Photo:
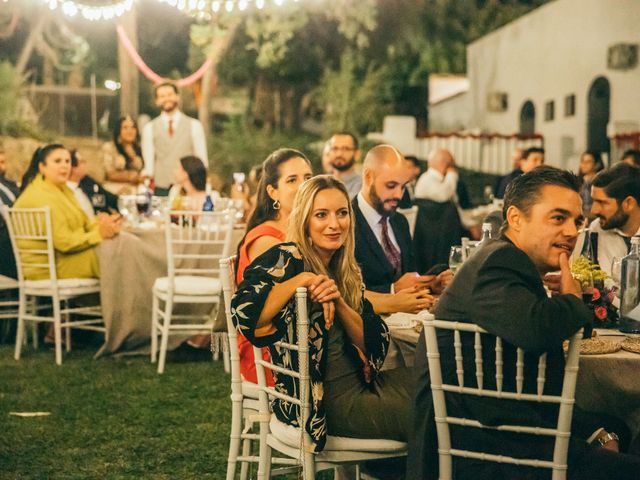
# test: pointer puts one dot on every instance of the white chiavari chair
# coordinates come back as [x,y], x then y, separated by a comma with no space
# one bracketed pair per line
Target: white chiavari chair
[31,239]
[294,442]
[196,241]
[562,432]
[244,395]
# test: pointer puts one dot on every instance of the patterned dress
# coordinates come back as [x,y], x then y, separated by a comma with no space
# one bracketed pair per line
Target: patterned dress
[281,263]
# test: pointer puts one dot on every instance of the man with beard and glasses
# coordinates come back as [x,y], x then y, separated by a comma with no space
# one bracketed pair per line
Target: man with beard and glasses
[383,242]
[616,205]
[343,154]
[501,289]
[169,137]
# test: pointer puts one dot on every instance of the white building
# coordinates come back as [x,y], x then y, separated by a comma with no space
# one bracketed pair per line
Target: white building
[567,70]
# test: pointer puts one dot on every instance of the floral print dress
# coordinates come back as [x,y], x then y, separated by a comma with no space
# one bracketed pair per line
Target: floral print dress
[281,263]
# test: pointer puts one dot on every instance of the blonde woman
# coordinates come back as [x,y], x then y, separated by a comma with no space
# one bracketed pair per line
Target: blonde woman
[347,340]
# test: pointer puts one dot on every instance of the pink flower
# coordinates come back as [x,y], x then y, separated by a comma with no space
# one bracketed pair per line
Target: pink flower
[595,294]
[601,312]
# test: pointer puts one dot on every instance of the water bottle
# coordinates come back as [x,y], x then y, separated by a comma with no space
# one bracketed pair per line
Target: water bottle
[486,235]
[208,201]
[629,294]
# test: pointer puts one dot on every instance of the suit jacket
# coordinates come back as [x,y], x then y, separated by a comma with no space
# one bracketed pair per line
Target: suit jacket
[500,290]
[87,186]
[505,181]
[377,272]
[438,227]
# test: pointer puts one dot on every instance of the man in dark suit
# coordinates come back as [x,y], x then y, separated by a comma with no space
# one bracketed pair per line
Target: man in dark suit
[91,196]
[383,240]
[501,289]
[531,158]
[9,191]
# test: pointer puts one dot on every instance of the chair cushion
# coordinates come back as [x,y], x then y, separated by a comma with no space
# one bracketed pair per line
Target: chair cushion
[189,285]
[291,436]
[7,283]
[65,283]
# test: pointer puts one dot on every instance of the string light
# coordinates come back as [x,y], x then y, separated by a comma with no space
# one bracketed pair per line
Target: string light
[117,8]
[91,12]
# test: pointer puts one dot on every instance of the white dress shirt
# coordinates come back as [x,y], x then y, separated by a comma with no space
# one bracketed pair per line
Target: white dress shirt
[7,192]
[197,137]
[432,185]
[373,219]
[610,245]
[83,200]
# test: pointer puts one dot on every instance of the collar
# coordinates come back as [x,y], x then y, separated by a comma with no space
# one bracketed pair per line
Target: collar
[72,185]
[370,214]
[432,172]
[175,117]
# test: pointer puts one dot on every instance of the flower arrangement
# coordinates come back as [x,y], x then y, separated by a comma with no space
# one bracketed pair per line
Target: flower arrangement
[599,291]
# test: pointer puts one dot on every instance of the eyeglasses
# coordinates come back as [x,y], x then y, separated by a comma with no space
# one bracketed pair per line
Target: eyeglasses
[342,149]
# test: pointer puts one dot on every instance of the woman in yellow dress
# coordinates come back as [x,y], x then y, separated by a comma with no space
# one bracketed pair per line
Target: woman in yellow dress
[74,235]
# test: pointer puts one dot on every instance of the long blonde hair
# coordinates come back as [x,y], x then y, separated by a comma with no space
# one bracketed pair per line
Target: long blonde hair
[343,267]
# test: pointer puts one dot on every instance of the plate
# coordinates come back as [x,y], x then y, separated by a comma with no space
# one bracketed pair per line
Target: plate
[631,345]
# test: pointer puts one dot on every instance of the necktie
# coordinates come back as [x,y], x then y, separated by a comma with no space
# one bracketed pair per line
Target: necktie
[170,128]
[627,242]
[390,250]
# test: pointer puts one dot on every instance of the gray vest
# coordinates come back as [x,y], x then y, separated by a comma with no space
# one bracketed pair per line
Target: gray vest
[170,149]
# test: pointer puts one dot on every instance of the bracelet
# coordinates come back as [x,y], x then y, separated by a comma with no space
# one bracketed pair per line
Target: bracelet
[606,438]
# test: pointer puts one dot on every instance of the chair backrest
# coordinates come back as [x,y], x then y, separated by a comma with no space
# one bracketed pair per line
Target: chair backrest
[228,280]
[443,420]
[411,215]
[196,241]
[30,233]
[301,374]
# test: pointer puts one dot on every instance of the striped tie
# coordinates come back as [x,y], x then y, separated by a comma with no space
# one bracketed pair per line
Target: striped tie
[390,250]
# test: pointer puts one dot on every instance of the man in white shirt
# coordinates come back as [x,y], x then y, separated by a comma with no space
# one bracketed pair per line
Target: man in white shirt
[343,155]
[169,137]
[440,181]
[616,204]
[78,172]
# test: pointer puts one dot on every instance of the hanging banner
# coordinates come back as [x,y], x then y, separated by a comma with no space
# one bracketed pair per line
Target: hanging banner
[150,74]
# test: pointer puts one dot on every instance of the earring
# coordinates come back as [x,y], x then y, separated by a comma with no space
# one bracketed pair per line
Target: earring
[276,204]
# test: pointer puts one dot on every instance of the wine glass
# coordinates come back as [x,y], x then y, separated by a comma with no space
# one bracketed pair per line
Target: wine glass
[616,270]
[456,257]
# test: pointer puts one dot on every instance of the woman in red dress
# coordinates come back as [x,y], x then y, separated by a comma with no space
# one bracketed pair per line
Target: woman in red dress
[283,172]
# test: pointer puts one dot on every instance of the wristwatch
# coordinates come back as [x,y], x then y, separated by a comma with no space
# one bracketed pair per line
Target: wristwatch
[606,438]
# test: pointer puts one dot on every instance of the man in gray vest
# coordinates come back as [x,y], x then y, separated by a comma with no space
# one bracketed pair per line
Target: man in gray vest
[169,137]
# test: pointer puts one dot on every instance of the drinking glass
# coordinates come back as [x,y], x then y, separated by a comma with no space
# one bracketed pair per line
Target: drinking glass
[616,270]
[456,257]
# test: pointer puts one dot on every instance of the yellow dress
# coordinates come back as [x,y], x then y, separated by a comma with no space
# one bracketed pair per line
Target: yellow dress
[74,235]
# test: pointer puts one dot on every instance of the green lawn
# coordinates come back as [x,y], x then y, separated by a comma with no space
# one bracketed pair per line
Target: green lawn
[111,418]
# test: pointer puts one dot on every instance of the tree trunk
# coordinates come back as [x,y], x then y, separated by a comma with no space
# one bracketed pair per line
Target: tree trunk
[30,43]
[129,76]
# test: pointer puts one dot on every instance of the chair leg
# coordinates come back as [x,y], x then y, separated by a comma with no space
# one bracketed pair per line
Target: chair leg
[234,437]
[67,330]
[264,462]
[31,307]
[308,466]
[246,451]
[166,324]
[57,329]
[22,310]
[154,328]
[226,356]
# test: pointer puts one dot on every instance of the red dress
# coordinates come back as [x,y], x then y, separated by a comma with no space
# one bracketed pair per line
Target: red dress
[247,366]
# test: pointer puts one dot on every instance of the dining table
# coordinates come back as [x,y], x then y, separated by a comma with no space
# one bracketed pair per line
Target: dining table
[607,383]
[129,266]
